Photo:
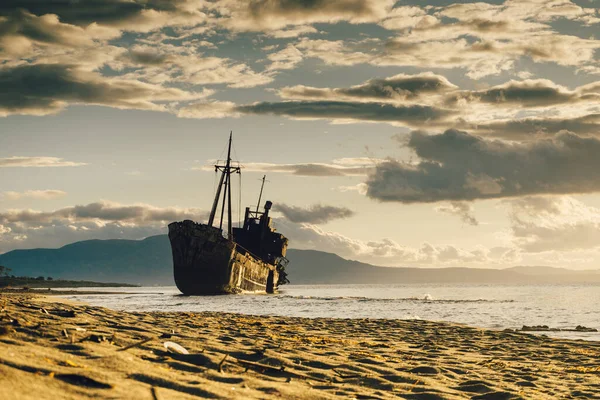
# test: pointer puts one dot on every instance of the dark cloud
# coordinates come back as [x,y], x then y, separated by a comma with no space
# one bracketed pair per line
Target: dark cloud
[85,12]
[100,220]
[46,88]
[376,112]
[103,211]
[397,87]
[293,7]
[276,14]
[458,166]
[438,98]
[528,128]
[315,214]
[461,209]
[150,57]
[528,93]
[254,15]
[46,30]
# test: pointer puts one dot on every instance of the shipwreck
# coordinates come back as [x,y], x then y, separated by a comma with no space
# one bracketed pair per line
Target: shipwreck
[208,260]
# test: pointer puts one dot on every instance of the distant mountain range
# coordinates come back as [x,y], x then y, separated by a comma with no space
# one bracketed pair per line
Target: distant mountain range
[148,262]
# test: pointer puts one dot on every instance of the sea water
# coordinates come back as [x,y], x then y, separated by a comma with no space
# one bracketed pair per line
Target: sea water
[485,306]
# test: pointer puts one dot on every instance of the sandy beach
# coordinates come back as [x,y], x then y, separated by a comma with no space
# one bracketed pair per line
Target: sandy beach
[52,349]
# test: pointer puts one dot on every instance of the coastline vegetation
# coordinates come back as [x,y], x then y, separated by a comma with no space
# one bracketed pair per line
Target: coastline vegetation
[26,282]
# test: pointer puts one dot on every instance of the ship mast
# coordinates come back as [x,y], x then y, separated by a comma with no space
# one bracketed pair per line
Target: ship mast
[225,184]
[261,190]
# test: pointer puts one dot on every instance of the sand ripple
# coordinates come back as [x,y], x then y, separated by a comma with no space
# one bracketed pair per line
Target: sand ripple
[50,350]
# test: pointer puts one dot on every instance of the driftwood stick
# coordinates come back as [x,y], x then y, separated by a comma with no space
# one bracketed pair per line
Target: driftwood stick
[221,363]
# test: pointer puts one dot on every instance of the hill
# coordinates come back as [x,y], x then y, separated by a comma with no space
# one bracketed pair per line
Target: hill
[317,267]
[148,262]
[40,282]
[144,262]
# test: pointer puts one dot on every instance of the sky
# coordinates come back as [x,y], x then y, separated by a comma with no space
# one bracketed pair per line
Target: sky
[399,133]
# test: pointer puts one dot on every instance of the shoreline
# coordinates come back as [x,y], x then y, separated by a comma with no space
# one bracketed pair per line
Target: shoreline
[58,292]
[57,349]
[574,332]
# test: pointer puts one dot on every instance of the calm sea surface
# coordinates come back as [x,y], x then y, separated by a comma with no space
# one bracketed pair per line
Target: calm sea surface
[486,306]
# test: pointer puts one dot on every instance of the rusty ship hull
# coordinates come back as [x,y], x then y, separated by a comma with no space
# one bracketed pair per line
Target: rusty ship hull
[206,263]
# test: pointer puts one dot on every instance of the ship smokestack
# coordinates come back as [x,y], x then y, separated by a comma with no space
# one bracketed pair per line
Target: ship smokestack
[266,220]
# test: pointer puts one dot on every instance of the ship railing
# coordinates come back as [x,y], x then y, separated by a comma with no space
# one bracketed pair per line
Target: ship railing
[255,214]
[247,251]
[277,261]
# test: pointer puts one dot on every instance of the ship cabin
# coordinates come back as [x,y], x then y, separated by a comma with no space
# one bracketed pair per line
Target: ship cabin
[259,238]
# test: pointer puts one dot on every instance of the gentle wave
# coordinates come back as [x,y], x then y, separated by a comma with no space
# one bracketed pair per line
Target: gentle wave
[486,306]
[425,299]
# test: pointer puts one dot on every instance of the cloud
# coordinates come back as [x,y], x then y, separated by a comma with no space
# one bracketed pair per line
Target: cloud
[162,63]
[308,169]
[518,102]
[360,188]
[396,88]
[315,214]
[102,211]
[487,57]
[45,89]
[42,162]
[461,209]
[338,52]
[266,15]
[54,236]
[457,166]
[357,166]
[106,220]
[209,109]
[80,54]
[484,39]
[389,252]
[528,128]
[34,194]
[146,55]
[367,102]
[24,228]
[134,15]
[527,93]
[515,109]
[20,31]
[286,58]
[553,224]
[413,115]
[292,32]
[404,17]
[535,10]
